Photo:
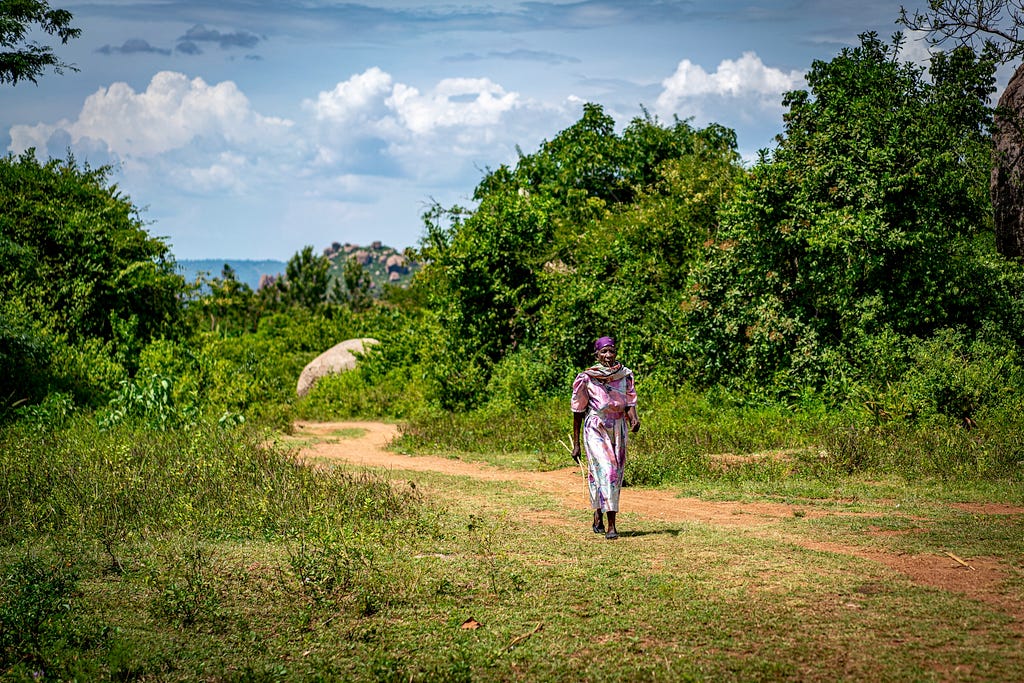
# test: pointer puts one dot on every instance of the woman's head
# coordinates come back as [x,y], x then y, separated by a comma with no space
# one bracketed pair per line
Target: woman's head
[605,350]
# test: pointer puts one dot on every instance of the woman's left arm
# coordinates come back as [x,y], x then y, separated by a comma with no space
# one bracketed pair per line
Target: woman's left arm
[631,415]
[633,419]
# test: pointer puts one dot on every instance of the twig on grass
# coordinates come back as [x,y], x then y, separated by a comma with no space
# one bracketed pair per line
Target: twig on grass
[961,562]
[519,639]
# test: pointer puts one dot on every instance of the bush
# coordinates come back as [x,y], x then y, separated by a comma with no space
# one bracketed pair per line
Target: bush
[113,488]
[40,618]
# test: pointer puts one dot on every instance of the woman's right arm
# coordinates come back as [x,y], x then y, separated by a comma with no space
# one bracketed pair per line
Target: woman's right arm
[577,420]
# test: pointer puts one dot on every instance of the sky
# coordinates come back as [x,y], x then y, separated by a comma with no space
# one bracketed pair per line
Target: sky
[249,130]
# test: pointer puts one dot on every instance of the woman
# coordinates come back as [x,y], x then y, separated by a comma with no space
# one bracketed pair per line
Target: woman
[604,403]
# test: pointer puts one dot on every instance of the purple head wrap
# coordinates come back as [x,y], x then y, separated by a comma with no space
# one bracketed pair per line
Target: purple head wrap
[603,342]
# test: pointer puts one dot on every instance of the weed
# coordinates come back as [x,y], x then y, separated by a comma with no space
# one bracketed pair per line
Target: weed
[41,616]
[186,590]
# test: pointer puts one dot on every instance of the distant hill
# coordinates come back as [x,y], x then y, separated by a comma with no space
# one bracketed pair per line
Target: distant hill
[384,264]
[246,271]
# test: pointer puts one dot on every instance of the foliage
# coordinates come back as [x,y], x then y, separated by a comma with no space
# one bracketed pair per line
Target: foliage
[149,401]
[995,23]
[305,280]
[357,286]
[28,61]
[226,305]
[120,487]
[77,269]
[40,615]
[870,218]
[594,232]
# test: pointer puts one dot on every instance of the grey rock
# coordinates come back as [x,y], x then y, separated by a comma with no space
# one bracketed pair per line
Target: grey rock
[338,358]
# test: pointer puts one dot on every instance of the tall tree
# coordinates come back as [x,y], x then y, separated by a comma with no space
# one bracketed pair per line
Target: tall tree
[27,60]
[861,223]
[306,279]
[78,270]
[973,24]
[994,28]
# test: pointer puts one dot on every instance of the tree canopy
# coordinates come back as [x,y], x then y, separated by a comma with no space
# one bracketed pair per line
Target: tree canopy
[993,25]
[871,217]
[28,60]
[77,266]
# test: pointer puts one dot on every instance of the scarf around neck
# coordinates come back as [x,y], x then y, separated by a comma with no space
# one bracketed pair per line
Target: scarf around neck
[603,374]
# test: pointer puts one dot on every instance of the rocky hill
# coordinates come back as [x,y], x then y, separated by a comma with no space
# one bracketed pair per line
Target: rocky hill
[385,266]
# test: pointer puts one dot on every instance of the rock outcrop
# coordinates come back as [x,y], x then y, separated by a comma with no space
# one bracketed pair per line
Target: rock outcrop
[1007,182]
[338,358]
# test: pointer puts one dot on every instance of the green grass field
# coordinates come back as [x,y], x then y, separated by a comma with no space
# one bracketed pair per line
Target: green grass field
[436,576]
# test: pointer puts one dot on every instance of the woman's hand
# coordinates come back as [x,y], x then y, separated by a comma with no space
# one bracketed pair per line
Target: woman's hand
[576,453]
[633,419]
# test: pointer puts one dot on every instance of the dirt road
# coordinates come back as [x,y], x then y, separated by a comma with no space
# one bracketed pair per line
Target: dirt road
[363,444]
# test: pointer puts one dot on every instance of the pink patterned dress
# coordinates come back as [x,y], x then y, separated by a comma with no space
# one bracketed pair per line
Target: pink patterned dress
[605,395]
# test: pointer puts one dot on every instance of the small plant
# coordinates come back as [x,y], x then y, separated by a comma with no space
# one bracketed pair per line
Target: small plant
[482,536]
[319,566]
[39,602]
[150,402]
[187,592]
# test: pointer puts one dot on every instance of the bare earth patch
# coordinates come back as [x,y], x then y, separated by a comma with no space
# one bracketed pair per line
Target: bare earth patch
[363,444]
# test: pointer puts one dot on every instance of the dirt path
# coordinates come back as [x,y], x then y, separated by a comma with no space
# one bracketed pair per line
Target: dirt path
[363,444]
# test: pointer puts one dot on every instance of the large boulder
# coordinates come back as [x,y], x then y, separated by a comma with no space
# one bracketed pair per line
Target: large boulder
[338,358]
[1007,185]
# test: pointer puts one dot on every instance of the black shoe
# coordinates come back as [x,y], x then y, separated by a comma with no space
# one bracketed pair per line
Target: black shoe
[611,535]
[599,528]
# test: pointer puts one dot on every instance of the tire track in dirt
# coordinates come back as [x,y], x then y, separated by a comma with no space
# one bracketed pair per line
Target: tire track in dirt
[983,579]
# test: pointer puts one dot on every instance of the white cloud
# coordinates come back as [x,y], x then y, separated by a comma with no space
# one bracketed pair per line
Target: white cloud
[476,102]
[916,49]
[172,113]
[372,124]
[226,174]
[746,77]
[357,97]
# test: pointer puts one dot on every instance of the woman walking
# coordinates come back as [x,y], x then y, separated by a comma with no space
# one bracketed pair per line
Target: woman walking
[604,405]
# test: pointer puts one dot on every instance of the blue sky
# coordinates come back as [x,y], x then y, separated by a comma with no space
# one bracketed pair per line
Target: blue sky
[247,129]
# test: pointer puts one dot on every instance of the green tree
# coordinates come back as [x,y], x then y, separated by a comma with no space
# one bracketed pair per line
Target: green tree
[78,270]
[357,286]
[871,216]
[593,232]
[626,273]
[976,24]
[75,252]
[226,304]
[306,280]
[20,60]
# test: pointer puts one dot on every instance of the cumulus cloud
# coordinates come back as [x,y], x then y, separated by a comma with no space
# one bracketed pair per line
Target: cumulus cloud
[181,130]
[371,123]
[476,102]
[204,139]
[173,112]
[746,77]
[360,97]
[132,46]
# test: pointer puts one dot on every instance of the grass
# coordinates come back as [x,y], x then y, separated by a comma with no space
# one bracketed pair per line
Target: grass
[691,602]
[259,570]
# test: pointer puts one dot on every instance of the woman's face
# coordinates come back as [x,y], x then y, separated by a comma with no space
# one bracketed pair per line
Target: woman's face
[606,356]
